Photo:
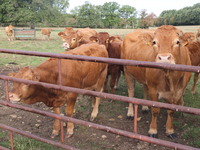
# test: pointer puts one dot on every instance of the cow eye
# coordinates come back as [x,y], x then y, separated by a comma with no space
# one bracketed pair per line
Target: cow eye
[177,42]
[73,39]
[154,42]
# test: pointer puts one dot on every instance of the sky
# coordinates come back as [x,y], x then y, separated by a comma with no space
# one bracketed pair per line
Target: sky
[155,6]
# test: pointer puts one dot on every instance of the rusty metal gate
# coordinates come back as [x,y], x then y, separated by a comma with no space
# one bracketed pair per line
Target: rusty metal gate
[135,101]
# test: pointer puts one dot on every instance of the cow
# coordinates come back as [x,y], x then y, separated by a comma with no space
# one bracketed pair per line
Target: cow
[193,46]
[198,34]
[164,46]
[46,32]
[114,71]
[9,32]
[76,38]
[78,74]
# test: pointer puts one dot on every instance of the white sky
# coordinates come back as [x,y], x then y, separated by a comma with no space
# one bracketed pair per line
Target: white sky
[155,6]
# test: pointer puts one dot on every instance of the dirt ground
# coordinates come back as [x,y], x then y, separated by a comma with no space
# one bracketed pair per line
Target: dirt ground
[111,114]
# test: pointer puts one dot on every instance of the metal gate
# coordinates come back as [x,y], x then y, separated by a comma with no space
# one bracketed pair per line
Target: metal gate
[135,101]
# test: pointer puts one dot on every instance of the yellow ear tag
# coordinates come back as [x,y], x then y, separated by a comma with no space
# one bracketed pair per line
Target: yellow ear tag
[149,43]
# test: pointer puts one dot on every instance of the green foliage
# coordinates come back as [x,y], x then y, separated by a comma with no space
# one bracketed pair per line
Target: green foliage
[185,16]
[29,12]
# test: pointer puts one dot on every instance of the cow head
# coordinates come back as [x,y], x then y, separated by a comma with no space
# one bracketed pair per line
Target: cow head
[166,44]
[20,91]
[71,40]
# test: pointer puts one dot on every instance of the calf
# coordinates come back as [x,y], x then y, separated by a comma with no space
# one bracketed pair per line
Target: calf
[76,38]
[9,32]
[114,51]
[46,32]
[164,46]
[78,74]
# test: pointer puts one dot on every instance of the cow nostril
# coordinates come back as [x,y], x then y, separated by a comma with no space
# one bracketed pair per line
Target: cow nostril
[159,58]
[169,57]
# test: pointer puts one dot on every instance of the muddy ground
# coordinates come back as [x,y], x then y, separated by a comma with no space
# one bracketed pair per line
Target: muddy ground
[111,114]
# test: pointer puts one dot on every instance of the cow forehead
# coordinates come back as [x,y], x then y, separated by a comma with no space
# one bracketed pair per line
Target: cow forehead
[166,35]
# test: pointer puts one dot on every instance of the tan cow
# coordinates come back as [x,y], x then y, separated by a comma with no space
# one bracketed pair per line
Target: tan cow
[76,38]
[164,46]
[194,49]
[46,32]
[78,74]
[9,32]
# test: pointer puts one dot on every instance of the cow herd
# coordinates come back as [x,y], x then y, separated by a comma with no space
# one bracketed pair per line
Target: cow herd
[166,44]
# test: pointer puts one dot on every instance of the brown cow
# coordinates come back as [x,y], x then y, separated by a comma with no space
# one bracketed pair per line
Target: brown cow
[198,34]
[164,46]
[114,51]
[46,32]
[76,38]
[194,49]
[78,74]
[9,32]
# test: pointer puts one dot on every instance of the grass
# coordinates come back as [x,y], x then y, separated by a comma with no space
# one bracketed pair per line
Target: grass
[54,45]
[23,143]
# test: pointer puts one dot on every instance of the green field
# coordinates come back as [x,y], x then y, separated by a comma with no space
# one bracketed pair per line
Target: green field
[191,131]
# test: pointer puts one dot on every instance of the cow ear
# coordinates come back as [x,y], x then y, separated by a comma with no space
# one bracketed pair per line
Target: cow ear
[94,39]
[12,74]
[147,38]
[111,39]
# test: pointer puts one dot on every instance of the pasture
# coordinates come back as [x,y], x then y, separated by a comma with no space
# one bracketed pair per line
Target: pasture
[112,114]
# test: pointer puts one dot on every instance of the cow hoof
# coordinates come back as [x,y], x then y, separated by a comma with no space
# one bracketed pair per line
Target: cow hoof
[129,117]
[171,136]
[53,135]
[68,135]
[145,111]
[153,135]
[92,118]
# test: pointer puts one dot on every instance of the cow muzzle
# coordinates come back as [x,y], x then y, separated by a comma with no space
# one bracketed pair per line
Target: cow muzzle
[165,58]
[14,98]
[66,46]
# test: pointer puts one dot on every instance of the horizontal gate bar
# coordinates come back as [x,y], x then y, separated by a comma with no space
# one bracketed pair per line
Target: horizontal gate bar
[107,60]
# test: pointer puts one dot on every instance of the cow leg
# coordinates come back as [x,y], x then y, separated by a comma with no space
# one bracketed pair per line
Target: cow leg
[117,80]
[145,109]
[169,124]
[95,109]
[105,89]
[155,112]
[131,85]
[56,126]
[99,88]
[48,37]
[196,76]
[112,82]
[69,112]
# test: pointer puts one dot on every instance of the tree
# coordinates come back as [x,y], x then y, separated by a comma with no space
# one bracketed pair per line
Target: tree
[128,16]
[110,14]
[87,15]
[28,12]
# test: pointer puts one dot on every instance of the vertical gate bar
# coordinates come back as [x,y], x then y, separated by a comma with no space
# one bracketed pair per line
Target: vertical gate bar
[62,136]
[6,87]
[11,140]
[135,117]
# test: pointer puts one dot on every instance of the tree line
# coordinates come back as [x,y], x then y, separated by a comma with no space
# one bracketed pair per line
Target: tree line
[53,13]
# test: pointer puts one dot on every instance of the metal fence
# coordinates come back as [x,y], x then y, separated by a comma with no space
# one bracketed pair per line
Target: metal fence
[135,101]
